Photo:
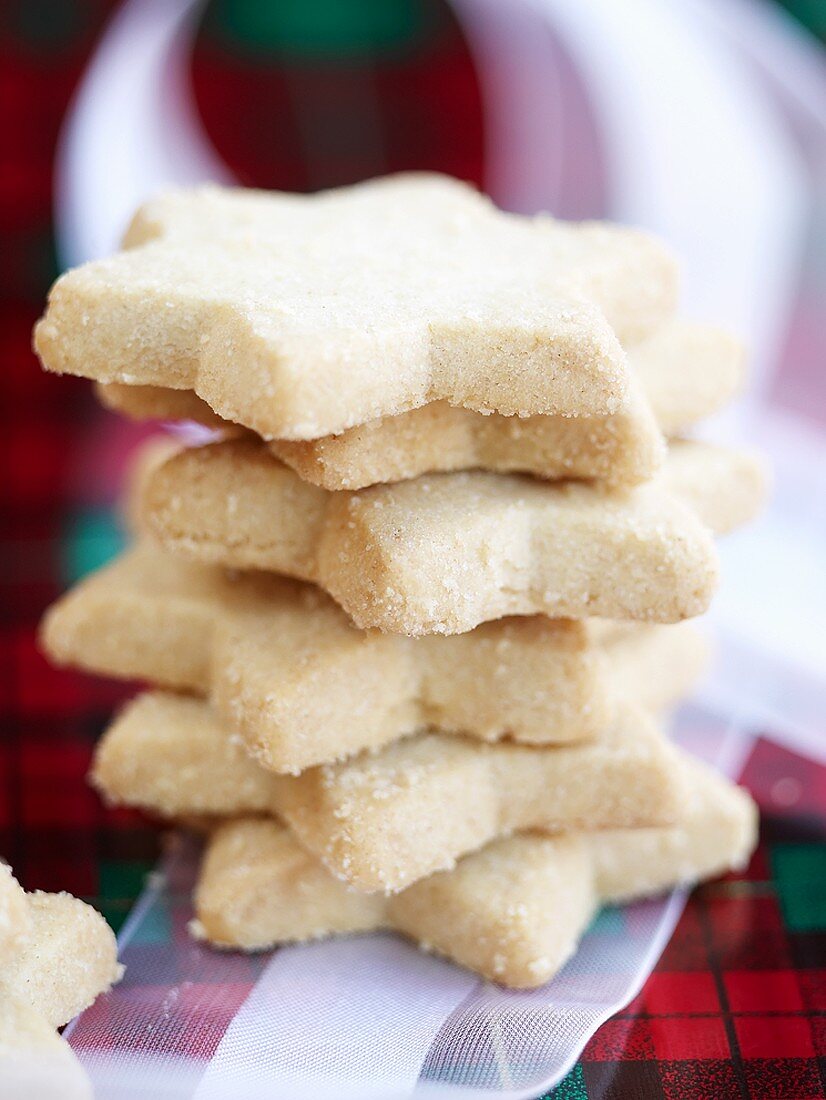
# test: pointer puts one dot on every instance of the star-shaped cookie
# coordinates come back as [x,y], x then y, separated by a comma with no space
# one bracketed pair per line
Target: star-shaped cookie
[258,887]
[382,820]
[302,316]
[444,552]
[681,374]
[300,685]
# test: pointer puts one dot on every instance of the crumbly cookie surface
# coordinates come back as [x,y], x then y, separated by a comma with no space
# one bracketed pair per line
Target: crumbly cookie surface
[284,668]
[302,316]
[445,552]
[57,954]
[383,819]
[176,758]
[687,372]
[258,887]
[716,832]
[68,957]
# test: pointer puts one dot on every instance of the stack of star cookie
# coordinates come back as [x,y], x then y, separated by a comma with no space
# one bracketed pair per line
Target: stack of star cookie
[412,615]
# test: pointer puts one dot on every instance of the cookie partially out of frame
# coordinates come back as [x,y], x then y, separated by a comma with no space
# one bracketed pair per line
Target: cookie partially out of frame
[445,552]
[67,956]
[687,373]
[286,669]
[35,1062]
[57,954]
[301,316]
[14,915]
[383,820]
[512,912]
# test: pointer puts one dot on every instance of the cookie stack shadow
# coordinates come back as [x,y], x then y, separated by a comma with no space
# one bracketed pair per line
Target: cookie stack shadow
[413,616]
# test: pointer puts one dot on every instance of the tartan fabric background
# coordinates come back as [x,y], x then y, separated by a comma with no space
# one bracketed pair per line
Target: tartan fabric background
[342,90]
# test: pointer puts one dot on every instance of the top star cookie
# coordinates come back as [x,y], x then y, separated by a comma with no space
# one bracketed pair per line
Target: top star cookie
[302,316]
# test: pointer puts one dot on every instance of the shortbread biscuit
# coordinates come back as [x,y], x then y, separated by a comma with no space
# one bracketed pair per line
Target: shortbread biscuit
[716,832]
[623,448]
[258,887]
[445,552]
[160,403]
[147,457]
[170,756]
[490,912]
[725,488]
[689,372]
[301,316]
[283,666]
[656,666]
[68,957]
[35,1063]
[384,820]
[14,915]
[56,955]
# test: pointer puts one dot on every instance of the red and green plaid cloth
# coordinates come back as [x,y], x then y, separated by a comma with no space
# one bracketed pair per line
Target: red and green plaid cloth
[343,89]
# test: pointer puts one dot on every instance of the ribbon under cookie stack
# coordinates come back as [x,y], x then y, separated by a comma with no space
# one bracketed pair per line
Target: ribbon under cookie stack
[412,616]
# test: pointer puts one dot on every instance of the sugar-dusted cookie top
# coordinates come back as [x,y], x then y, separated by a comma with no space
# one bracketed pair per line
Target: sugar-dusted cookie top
[301,686]
[385,818]
[66,959]
[302,316]
[511,911]
[444,552]
[681,374]
[258,887]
